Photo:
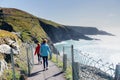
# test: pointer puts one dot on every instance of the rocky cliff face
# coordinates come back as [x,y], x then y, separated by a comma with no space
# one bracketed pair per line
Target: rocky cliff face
[88,30]
[63,32]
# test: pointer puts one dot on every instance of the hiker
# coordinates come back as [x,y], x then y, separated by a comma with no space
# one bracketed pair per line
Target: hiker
[45,51]
[37,51]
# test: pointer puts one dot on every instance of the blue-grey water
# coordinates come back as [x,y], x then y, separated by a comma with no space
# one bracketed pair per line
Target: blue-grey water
[107,48]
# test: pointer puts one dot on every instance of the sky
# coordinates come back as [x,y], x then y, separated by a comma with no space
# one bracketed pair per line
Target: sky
[92,13]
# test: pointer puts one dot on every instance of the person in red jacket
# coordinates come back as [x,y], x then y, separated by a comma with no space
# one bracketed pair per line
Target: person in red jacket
[37,51]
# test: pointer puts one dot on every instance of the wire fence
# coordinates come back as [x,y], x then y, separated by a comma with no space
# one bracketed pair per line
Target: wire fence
[27,56]
[89,68]
[21,63]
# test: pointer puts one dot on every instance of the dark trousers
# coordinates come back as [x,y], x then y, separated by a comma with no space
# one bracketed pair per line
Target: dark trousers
[38,57]
[45,61]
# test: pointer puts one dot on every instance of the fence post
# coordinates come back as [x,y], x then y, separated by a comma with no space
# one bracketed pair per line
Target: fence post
[77,71]
[57,57]
[13,66]
[117,72]
[72,53]
[64,62]
[28,62]
[63,50]
[32,55]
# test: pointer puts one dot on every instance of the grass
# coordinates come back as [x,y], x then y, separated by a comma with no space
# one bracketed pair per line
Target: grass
[8,75]
[59,63]
[22,65]
[68,72]
[4,33]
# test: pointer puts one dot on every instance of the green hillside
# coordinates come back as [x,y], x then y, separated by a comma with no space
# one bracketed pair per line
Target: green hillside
[26,24]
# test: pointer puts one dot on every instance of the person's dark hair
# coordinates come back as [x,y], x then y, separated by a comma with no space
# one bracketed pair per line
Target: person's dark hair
[44,41]
[38,43]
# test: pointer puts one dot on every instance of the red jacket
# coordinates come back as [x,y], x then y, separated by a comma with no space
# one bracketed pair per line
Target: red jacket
[37,49]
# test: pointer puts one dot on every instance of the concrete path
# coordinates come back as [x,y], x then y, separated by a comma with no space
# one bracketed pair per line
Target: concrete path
[53,73]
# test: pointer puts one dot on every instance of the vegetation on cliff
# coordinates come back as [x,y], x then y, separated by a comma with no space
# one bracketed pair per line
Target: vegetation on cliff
[26,25]
[5,37]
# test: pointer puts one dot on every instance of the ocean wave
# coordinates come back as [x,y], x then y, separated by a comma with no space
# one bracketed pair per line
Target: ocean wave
[63,42]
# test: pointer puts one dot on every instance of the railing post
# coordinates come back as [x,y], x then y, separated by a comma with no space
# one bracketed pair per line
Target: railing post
[63,50]
[32,53]
[64,62]
[72,53]
[77,70]
[57,57]
[0,66]
[117,72]
[28,62]
[13,66]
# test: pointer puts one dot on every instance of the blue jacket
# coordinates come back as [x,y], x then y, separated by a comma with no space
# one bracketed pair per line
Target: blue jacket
[45,50]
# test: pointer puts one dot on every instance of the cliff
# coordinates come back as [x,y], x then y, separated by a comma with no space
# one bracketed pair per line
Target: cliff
[63,32]
[88,30]
[32,28]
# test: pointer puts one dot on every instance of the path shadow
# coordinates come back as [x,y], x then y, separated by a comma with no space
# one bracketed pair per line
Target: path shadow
[55,75]
[35,73]
[58,74]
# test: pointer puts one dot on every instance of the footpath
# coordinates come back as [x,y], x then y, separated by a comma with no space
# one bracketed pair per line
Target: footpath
[53,73]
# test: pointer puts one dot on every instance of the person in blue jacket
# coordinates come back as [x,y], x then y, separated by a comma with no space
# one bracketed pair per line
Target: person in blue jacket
[45,51]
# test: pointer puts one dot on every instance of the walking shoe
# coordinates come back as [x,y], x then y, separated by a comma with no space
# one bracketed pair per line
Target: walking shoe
[40,62]
[46,68]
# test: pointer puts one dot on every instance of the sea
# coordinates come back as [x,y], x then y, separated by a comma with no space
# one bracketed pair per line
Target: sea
[107,48]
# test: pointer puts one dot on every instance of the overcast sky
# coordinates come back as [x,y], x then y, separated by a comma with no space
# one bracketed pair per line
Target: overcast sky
[96,13]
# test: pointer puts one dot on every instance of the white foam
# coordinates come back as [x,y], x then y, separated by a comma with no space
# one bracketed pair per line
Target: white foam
[63,42]
[107,48]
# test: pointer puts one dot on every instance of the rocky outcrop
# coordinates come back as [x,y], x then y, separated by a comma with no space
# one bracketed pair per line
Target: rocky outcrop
[3,66]
[11,45]
[6,49]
